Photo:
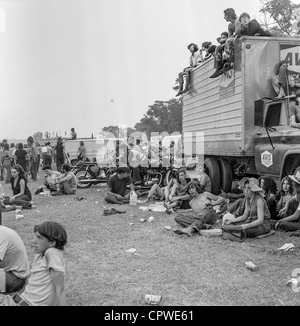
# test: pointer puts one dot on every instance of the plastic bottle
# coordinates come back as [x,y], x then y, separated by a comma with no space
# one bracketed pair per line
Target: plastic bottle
[133,199]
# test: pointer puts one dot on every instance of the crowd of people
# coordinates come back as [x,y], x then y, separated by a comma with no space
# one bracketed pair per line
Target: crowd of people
[223,53]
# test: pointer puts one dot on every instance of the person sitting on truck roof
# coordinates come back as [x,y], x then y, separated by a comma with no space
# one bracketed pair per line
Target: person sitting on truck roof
[256,218]
[203,215]
[292,222]
[295,112]
[209,48]
[251,27]
[73,134]
[195,60]
[234,31]
[219,53]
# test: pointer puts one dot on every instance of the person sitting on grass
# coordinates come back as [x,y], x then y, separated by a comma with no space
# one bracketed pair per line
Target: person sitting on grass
[21,194]
[292,222]
[179,197]
[270,189]
[14,266]
[203,216]
[49,181]
[256,218]
[237,208]
[203,178]
[116,188]
[161,192]
[286,193]
[67,182]
[46,283]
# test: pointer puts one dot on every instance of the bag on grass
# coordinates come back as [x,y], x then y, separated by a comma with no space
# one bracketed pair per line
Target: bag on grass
[233,233]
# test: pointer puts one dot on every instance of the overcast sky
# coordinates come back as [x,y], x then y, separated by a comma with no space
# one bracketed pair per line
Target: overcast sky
[88,64]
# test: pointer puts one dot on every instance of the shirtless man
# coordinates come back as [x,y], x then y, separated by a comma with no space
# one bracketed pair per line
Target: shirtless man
[202,204]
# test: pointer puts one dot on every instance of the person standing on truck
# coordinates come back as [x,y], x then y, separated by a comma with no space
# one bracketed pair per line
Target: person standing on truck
[73,134]
[195,60]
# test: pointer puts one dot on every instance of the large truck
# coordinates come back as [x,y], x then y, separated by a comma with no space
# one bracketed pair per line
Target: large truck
[245,131]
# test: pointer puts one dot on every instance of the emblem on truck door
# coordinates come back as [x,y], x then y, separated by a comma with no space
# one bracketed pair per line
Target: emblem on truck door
[266,159]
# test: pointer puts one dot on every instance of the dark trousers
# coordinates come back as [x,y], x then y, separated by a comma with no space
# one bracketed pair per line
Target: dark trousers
[32,168]
[196,221]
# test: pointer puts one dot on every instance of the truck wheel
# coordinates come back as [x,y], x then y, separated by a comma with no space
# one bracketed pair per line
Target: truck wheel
[226,174]
[83,175]
[212,167]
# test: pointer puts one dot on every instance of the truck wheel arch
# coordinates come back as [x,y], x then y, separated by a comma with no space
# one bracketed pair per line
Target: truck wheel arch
[290,161]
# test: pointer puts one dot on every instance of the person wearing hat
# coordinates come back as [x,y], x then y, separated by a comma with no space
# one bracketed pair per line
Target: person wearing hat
[256,218]
[292,222]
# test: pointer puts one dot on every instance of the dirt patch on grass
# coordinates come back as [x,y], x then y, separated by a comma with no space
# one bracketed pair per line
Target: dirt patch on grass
[184,271]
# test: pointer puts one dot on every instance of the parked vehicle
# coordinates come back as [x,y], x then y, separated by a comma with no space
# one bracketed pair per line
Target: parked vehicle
[246,131]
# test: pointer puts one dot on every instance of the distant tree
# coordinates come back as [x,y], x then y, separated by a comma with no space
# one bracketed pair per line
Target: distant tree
[38,135]
[282,15]
[162,116]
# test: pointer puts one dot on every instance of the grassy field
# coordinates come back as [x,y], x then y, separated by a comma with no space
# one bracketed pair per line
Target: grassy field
[184,271]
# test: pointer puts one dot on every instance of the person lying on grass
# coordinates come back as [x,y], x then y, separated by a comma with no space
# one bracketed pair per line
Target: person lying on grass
[161,192]
[116,188]
[46,283]
[203,213]
[49,180]
[67,182]
[256,217]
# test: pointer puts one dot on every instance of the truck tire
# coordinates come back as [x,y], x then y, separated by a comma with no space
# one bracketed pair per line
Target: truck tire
[226,174]
[212,167]
[83,175]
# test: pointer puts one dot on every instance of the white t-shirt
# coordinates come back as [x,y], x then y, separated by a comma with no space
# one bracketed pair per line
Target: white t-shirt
[13,255]
[40,291]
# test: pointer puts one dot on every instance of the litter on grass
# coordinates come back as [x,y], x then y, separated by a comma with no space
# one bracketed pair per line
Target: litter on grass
[131,251]
[151,219]
[286,247]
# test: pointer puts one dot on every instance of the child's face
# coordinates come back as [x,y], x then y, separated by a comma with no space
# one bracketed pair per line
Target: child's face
[192,191]
[41,243]
[285,186]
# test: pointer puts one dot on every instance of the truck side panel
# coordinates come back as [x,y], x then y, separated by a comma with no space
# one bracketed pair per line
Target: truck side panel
[217,114]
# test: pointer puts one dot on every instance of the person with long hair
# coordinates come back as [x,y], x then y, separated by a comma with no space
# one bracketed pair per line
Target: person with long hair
[81,151]
[286,193]
[21,194]
[179,197]
[292,222]
[269,186]
[255,220]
